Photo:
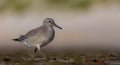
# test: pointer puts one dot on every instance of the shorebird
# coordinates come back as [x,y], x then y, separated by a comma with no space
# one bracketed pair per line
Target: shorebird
[39,37]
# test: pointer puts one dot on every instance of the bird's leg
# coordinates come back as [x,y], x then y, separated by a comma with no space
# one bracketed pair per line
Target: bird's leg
[42,54]
[34,53]
[35,50]
[38,47]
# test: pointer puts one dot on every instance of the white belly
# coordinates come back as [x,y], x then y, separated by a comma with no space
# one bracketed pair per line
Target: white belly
[26,44]
[30,44]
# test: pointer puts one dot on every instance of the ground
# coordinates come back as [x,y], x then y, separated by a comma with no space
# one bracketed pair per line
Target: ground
[81,58]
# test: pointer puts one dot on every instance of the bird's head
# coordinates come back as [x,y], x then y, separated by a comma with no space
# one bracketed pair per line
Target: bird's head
[50,22]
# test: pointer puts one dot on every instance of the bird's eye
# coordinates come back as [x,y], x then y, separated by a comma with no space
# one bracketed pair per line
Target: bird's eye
[49,21]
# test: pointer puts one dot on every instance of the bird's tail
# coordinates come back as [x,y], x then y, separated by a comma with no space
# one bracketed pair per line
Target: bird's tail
[21,38]
[16,39]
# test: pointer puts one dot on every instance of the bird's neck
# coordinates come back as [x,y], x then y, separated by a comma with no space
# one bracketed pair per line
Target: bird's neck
[49,26]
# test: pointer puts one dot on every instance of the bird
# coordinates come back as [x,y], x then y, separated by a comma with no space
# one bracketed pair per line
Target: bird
[40,36]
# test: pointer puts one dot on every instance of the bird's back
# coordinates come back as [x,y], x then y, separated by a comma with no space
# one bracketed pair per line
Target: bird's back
[42,35]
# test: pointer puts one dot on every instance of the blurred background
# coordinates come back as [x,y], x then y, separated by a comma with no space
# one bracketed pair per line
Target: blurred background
[87,24]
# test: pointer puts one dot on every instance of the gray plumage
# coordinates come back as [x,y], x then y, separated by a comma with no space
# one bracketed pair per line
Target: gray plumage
[41,36]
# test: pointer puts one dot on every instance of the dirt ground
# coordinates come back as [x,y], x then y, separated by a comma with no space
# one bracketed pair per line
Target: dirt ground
[81,58]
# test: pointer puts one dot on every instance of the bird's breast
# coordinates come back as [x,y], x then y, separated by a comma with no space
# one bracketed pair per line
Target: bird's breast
[49,35]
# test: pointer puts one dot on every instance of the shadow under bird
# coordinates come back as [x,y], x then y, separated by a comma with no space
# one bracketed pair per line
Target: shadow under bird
[39,37]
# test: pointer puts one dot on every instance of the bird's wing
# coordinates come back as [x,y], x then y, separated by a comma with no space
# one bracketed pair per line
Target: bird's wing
[35,31]
[36,35]
[28,35]
[32,32]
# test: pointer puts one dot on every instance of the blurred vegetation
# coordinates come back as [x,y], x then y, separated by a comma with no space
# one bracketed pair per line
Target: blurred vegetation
[16,5]
[73,4]
[22,5]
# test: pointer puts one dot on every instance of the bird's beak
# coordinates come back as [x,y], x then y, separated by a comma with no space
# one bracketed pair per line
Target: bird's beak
[57,26]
